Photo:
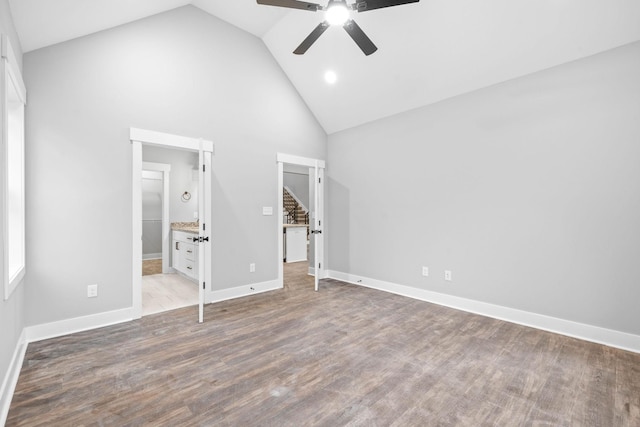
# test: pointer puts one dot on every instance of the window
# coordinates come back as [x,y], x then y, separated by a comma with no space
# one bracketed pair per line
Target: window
[12,99]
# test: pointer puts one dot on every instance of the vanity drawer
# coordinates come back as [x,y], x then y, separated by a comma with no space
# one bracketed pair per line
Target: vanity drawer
[190,252]
[190,268]
[183,236]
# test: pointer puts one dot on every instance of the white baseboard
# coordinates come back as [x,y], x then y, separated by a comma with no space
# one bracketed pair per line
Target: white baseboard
[244,290]
[10,379]
[152,256]
[608,337]
[77,324]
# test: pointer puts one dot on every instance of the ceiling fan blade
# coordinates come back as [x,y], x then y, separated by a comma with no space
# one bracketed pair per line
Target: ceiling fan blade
[292,4]
[311,38]
[366,5]
[359,37]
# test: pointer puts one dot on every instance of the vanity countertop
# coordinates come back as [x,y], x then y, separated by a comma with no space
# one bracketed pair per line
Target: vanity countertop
[189,227]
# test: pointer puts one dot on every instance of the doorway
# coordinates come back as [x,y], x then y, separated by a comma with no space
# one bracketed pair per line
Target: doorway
[296,215]
[155,217]
[167,174]
[300,170]
[196,181]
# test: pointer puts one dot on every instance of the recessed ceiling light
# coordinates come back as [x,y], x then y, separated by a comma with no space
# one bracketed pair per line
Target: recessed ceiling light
[330,77]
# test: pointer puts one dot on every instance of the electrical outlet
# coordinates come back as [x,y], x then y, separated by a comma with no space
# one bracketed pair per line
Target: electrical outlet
[425,271]
[92,291]
[448,275]
[252,267]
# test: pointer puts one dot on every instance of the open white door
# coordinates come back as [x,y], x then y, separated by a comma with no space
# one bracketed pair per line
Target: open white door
[204,218]
[318,224]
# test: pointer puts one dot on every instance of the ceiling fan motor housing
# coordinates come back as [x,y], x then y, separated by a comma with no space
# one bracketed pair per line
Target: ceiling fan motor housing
[338,14]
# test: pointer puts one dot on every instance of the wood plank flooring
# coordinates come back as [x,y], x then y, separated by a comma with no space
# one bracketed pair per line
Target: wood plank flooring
[345,355]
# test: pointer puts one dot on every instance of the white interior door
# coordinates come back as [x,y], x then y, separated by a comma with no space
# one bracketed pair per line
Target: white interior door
[318,224]
[204,218]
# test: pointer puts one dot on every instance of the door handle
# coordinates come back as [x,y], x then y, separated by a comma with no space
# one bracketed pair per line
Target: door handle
[316,231]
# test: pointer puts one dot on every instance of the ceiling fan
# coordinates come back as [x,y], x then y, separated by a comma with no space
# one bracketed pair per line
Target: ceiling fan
[337,13]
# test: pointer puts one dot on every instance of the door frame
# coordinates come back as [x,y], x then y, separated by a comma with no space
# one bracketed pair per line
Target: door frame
[281,159]
[165,169]
[138,138]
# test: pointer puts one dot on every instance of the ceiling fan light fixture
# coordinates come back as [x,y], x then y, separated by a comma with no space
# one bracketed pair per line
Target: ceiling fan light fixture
[337,13]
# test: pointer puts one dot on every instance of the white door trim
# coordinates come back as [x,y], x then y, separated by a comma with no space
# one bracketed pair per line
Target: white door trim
[138,137]
[150,137]
[318,225]
[301,161]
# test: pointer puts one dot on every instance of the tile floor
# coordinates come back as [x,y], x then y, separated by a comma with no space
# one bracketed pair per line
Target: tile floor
[162,292]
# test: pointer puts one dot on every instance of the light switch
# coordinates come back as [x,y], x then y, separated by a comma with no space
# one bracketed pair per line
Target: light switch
[267,210]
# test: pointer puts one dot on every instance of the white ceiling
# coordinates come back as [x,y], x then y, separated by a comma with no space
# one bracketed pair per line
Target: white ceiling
[427,51]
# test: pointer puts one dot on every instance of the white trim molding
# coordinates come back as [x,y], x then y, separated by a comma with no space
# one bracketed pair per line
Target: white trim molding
[10,380]
[78,324]
[300,161]
[596,334]
[162,139]
[244,290]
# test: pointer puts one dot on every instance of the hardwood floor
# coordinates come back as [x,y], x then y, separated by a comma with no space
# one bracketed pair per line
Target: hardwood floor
[345,355]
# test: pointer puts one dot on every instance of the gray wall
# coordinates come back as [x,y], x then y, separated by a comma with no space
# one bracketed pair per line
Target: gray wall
[183,163]
[182,72]
[529,191]
[180,180]
[12,312]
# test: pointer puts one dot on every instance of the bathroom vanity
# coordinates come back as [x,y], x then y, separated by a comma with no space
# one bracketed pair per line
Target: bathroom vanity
[185,252]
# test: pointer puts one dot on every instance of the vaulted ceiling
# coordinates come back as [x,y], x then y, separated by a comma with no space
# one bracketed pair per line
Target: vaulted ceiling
[427,51]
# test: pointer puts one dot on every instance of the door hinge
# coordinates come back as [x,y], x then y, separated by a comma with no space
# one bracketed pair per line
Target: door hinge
[319,223]
[204,226]
[320,266]
[319,180]
[203,168]
[203,285]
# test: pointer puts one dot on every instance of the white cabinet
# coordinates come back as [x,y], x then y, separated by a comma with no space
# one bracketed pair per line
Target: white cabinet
[295,242]
[185,253]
